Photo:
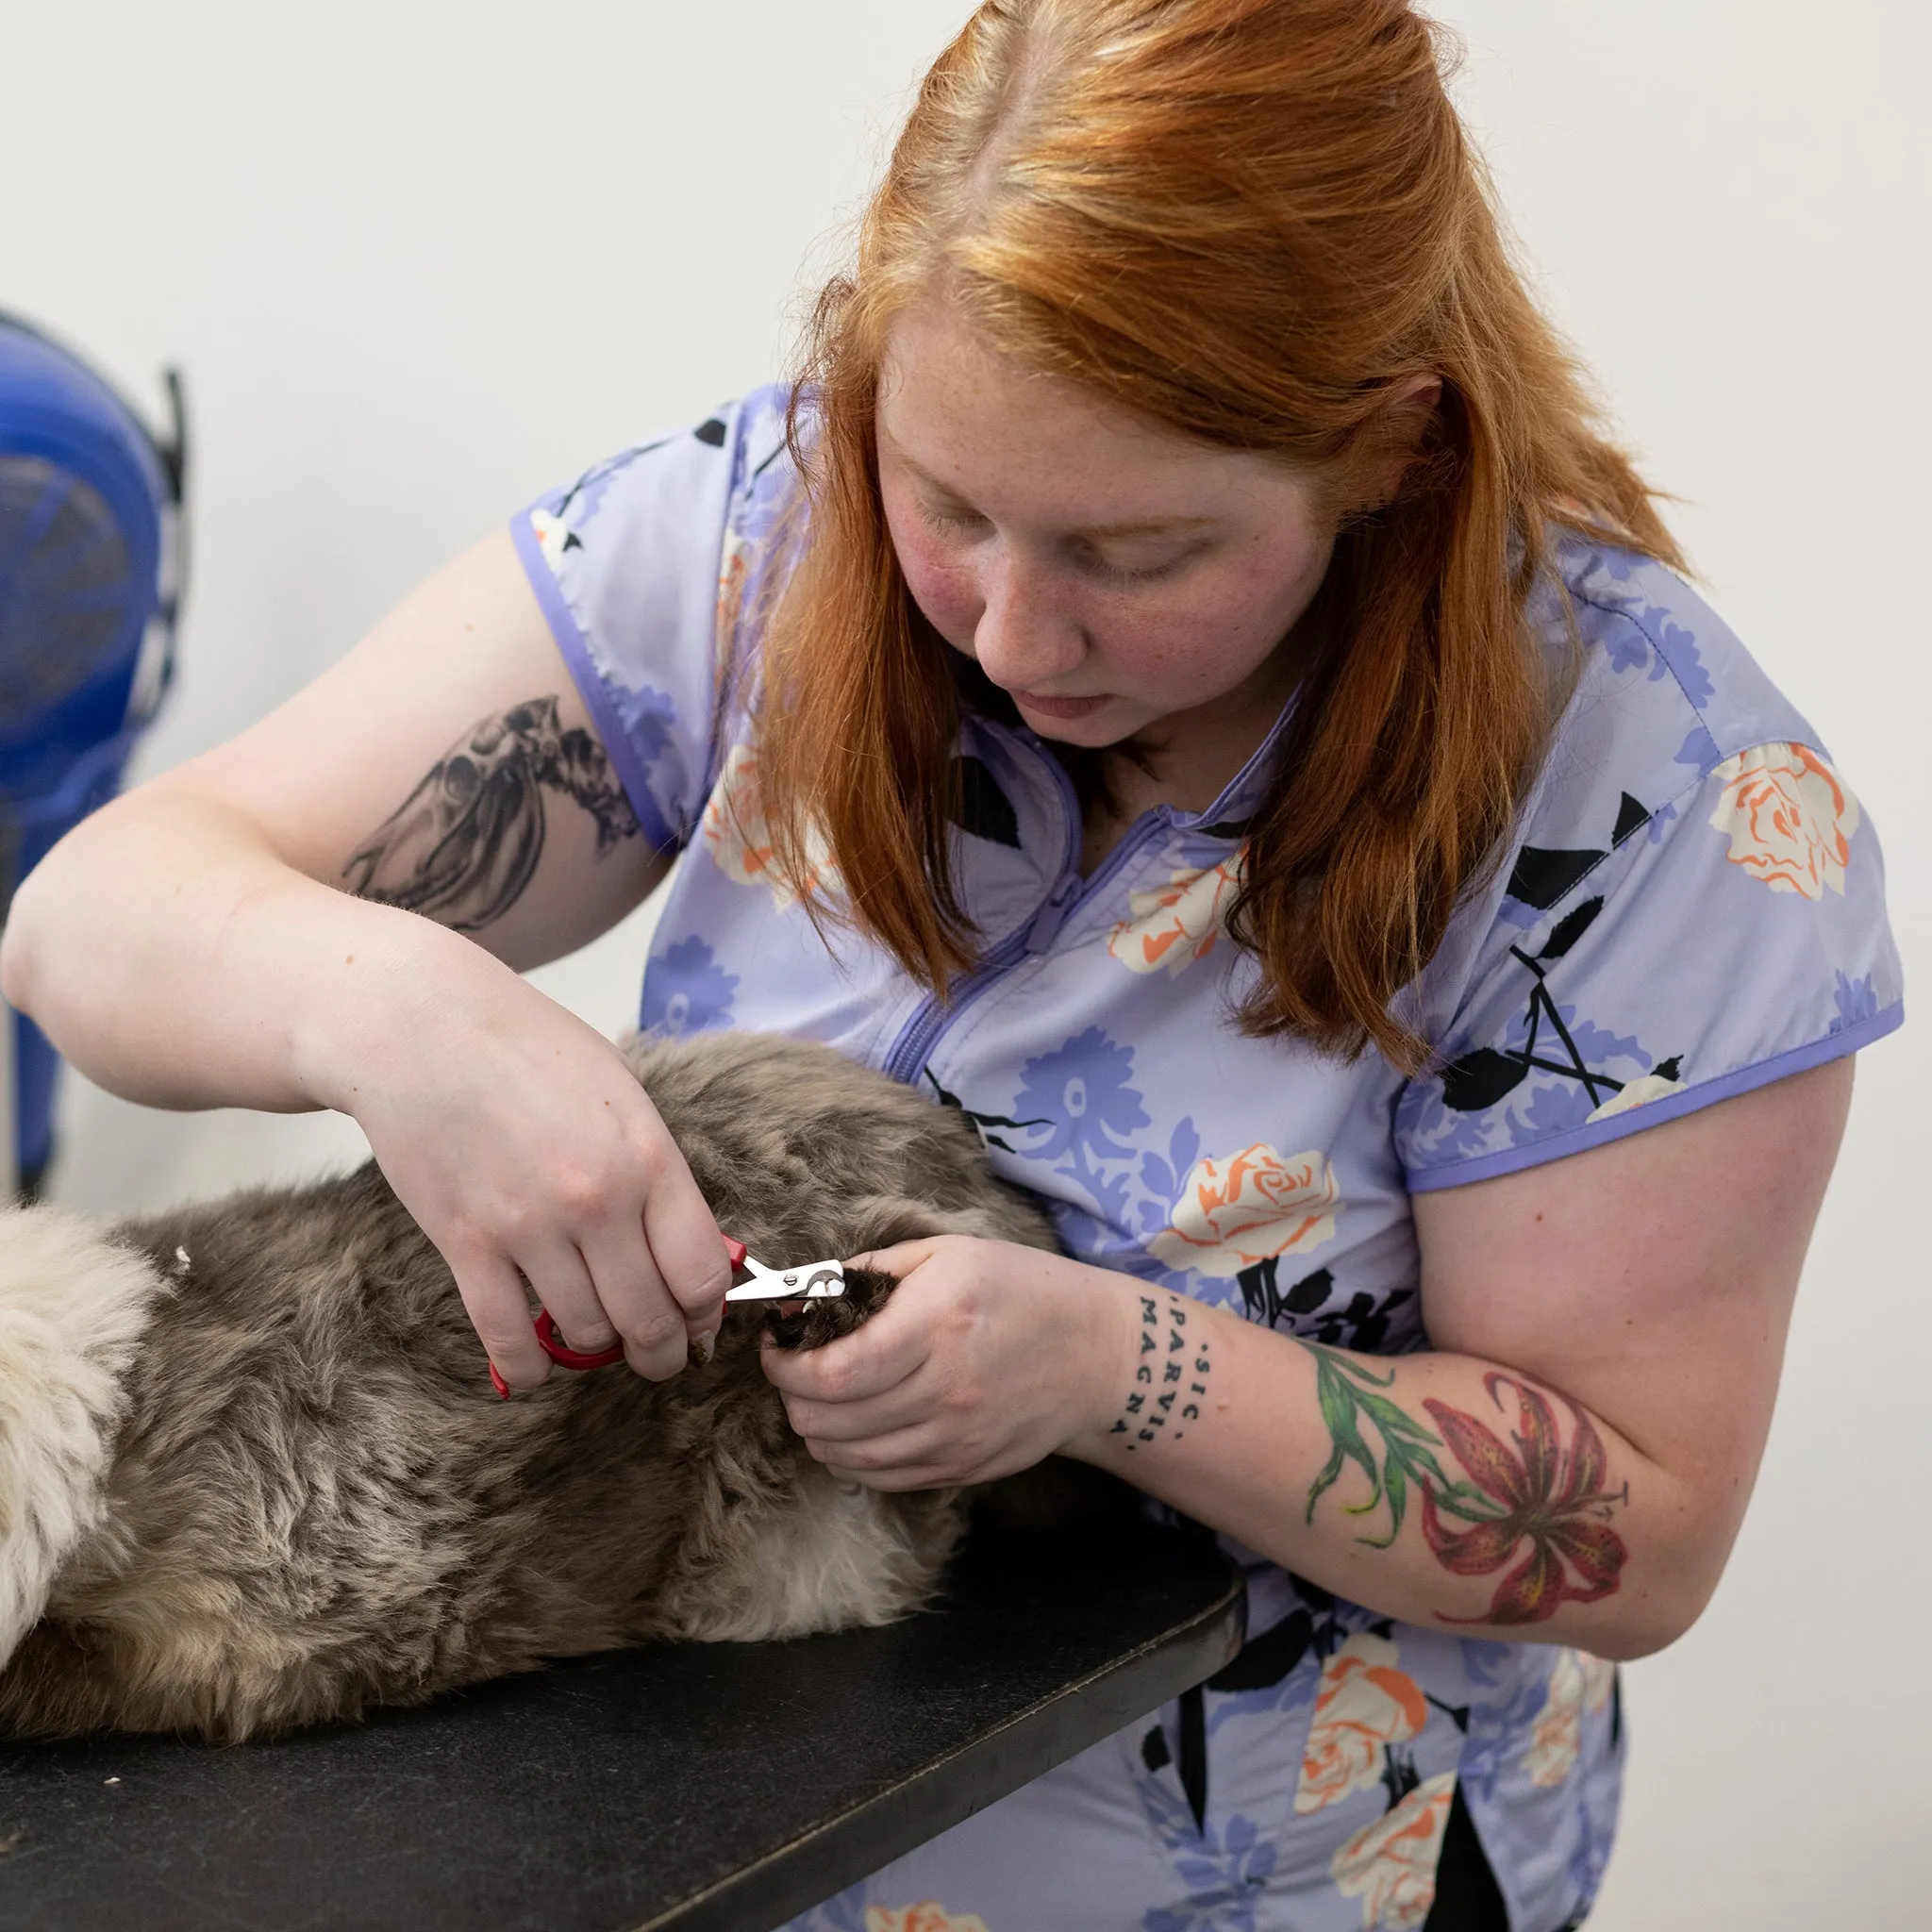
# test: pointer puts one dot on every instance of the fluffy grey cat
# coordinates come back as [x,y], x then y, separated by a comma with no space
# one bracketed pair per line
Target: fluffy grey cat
[253,1473]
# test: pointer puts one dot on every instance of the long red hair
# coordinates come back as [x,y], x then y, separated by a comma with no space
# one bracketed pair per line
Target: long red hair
[1254,221]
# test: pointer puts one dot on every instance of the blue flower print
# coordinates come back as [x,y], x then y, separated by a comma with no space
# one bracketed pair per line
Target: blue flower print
[1427,1121]
[1224,1871]
[1080,1093]
[686,990]
[649,719]
[1676,652]
[1078,1102]
[1699,750]
[1857,1000]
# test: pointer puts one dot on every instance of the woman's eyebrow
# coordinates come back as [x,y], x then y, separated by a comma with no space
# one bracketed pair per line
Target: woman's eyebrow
[1137,526]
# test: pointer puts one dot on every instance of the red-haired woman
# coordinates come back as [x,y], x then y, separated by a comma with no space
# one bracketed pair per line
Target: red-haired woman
[1186,680]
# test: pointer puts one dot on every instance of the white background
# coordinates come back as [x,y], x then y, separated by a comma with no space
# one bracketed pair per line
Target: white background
[421,259]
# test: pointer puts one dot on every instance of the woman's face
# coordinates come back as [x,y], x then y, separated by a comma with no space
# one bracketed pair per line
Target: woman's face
[1106,570]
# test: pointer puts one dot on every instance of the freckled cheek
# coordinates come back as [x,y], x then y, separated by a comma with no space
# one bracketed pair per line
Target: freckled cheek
[942,587]
[1192,652]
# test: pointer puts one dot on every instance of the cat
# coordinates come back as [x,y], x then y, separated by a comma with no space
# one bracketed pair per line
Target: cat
[253,1474]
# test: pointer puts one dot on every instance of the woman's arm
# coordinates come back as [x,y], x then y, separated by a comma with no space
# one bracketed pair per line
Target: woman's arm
[1571,1464]
[327,912]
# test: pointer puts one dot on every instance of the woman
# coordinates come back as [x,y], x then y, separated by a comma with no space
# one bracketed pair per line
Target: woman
[1186,681]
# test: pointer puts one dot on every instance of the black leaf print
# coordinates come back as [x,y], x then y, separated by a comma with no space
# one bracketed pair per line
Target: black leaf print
[981,1120]
[1308,1293]
[1632,816]
[1317,1599]
[1155,1753]
[1264,1301]
[711,431]
[1570,928]
[1263,1663]
[1481,1078]
[1399,1775]
[1541,878]
[1363,1325]
[984,810]
[1671,1069]
[1228,828]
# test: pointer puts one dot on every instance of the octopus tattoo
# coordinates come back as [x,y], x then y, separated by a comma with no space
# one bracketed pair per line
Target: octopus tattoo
[464,844]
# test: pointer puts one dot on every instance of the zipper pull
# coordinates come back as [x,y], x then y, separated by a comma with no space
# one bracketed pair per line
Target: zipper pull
[1051,914]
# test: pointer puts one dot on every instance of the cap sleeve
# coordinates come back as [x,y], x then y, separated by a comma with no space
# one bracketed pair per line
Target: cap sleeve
[638,566]
[1734,935]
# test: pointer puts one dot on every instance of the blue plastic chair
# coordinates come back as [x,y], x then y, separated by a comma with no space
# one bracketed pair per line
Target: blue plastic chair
[92,555]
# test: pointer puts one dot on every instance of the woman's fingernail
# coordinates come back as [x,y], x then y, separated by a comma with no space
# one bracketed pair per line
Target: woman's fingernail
[706,1345]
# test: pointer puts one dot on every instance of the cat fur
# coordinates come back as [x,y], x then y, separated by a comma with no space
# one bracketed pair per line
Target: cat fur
[253,1474]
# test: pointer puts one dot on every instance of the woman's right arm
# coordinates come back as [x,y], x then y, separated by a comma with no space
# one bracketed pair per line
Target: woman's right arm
[329,911]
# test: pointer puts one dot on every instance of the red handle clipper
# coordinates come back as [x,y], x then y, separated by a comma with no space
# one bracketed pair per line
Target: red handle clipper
[565,1357]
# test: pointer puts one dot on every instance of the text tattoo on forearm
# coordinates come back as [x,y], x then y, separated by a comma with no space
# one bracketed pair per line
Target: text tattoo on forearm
[1170,1377]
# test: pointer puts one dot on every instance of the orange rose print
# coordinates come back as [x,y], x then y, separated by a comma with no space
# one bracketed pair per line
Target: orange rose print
[1363,1705]
[1390,1865]
[1178,922]
[1247,1207]
[1790,818]
[926,1917]
[740,840]
[1578,1683]
[734,566]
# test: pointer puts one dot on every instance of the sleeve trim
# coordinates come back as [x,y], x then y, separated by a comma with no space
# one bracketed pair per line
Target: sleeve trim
[1672,1107]
[590,683]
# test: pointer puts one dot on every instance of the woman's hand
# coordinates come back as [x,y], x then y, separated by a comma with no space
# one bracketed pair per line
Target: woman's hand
[986,1357]
[232,935]
[525,1149]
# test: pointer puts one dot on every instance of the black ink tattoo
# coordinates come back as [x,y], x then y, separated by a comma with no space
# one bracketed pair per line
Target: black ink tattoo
[464,844]
[1170,1382]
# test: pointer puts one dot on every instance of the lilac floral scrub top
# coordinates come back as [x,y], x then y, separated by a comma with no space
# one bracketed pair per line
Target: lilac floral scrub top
[1696,907]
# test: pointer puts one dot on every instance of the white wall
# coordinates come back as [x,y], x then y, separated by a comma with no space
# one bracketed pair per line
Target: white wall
[420,260]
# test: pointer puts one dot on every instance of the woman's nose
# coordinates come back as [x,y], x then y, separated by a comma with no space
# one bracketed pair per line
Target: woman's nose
[1024,640]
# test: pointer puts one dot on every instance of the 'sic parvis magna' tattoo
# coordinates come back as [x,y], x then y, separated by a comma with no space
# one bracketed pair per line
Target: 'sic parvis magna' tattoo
[1531,1488]
[464,844]
[1171,1374]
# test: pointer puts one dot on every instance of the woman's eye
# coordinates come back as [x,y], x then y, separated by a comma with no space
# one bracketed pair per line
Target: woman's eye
[947,522]
[1135,573]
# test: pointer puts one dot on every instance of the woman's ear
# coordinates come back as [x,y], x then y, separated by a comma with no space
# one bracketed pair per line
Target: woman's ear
[1388,444]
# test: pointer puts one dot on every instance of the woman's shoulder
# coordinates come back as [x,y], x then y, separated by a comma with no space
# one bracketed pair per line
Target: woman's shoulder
[1692,902]
[1663,694]
[732,461]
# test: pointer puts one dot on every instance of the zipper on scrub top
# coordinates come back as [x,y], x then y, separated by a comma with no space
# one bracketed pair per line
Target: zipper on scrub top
[935,1017]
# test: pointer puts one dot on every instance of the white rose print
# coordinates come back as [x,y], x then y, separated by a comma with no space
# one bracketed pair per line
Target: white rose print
[1637,1092]
[1790,818]
[1248,1208]
[739,838]
[1390,1865]
[1178,922]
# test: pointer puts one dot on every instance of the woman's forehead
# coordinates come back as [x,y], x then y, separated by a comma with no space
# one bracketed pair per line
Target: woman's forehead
[964,420]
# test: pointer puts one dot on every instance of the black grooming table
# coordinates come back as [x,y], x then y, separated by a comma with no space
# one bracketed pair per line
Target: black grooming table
[709,1787]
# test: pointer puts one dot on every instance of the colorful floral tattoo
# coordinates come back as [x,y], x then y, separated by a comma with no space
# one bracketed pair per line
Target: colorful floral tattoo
[1531,1487]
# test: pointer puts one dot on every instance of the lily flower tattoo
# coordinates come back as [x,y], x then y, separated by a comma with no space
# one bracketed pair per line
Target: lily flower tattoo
[1530,1488]
[1554,1497]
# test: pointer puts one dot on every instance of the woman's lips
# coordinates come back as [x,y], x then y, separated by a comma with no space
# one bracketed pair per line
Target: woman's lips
[1058,707]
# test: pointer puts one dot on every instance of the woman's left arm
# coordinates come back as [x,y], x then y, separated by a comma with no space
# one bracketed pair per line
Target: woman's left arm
[1571,1462]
